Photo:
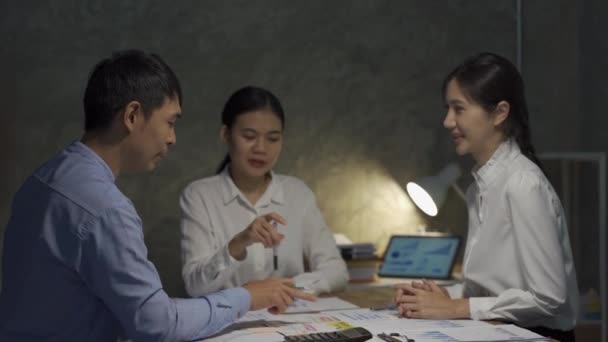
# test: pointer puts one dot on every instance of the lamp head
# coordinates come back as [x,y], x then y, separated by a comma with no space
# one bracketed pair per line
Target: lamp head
[429,193]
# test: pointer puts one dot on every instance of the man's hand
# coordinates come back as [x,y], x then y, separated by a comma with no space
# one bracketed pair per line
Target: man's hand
[275,293]
[262,230]
[427,300]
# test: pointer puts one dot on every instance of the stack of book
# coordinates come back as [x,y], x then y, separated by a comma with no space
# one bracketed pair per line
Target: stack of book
[361,261]
[354,251]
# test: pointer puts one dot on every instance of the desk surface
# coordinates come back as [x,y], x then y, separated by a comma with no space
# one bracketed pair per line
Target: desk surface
[368,297]
[388,282]
[375,296]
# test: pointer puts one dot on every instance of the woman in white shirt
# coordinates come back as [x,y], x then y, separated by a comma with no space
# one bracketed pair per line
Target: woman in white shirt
[248,223]
[518,263]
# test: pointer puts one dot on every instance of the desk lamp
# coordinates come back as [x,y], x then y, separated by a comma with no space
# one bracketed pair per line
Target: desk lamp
[429,192]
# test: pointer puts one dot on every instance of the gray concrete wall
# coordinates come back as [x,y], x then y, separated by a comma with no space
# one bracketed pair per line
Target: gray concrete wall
[551,73]
[8,157]
[359,81]
[593,65]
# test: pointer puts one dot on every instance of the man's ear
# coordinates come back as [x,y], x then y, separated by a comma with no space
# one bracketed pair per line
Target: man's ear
[501,113]
[224,134]
[132,115]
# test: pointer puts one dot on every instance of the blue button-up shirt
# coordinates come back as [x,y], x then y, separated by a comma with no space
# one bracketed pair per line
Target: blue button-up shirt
[76,268]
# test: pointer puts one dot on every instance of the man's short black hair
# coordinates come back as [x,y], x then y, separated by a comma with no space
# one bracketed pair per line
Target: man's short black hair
[130,75]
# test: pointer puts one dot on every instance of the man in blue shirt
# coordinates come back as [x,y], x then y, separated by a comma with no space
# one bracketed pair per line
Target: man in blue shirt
[75,263]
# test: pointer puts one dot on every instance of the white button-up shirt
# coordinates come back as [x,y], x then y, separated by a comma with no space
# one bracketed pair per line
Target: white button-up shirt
[214,210]
[518,263]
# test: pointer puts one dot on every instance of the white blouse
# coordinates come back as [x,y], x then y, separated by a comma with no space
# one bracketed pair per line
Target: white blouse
[518,263]
[214,210]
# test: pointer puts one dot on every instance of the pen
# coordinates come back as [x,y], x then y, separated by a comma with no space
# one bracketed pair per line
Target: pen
[384,307]
[390,338]
[387,338]
[275,256]
[407,339]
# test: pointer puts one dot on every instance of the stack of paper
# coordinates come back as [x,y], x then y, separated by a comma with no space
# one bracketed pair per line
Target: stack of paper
[355,251]
[361,260]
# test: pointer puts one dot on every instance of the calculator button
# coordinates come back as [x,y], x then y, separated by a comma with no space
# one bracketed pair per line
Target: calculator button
[326,336]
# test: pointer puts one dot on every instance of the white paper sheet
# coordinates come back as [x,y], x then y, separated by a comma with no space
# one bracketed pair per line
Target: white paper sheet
[258,326]
[407,324]
[488,333]
[321,304]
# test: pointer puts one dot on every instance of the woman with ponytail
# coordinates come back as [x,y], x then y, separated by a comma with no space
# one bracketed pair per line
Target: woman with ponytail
[248,223]
[518,263]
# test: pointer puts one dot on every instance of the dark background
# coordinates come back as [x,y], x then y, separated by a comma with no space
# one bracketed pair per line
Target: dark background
[359,80]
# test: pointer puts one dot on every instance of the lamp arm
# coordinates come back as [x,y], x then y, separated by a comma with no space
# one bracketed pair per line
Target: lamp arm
[459,191]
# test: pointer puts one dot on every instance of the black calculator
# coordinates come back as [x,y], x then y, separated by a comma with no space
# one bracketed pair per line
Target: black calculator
[349,335]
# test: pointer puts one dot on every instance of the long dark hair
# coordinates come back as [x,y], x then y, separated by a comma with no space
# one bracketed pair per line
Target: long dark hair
[245,100]
[487,79]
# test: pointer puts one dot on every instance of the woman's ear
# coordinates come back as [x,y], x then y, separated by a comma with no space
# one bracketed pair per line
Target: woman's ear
[501,113]
[224,134]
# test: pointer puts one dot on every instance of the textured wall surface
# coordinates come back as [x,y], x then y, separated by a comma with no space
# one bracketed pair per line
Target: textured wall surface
[359,81]
[594,92]
[594,72]
[551,72]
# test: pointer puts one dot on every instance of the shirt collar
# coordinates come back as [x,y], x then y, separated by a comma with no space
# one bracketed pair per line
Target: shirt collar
[486,173]
[87,152]
[274,192]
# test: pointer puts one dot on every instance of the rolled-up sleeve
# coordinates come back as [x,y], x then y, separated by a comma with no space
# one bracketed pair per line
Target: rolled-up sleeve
[115,266]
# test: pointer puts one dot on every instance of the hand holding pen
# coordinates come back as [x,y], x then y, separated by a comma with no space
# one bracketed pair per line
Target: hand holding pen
[260,230]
